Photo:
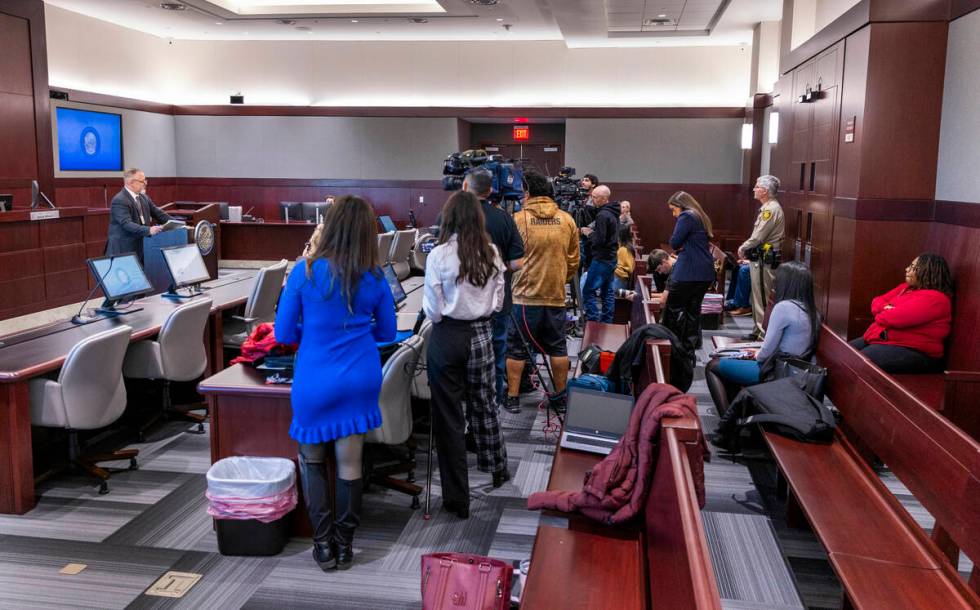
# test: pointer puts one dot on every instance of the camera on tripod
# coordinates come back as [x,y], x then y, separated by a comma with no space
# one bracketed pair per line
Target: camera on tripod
[508,178]
[569,193]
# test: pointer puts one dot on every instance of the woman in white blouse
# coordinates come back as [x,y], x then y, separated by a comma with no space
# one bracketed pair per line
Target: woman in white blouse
[464,286]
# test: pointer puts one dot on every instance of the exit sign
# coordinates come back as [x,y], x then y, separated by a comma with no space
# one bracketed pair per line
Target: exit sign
[522,133]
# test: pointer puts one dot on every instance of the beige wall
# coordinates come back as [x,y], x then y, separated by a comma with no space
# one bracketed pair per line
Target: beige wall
[148,141]
[656,150]
[958,175]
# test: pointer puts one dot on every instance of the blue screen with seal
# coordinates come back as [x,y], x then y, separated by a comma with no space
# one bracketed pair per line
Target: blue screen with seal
[120,275]
[89,141]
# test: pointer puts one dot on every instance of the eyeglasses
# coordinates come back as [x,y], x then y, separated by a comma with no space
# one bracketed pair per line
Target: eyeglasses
[138,180]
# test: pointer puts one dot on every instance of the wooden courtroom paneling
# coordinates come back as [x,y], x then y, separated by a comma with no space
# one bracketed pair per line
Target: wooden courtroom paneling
[962,7]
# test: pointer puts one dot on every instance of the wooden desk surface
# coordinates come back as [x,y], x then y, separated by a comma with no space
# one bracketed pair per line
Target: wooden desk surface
[47,353]
[242,380]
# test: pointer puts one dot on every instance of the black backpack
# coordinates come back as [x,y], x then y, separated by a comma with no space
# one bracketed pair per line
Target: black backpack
[781,406]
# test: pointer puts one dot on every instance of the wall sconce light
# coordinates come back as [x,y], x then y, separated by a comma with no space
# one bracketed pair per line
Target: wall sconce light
[774,128]
[746,136]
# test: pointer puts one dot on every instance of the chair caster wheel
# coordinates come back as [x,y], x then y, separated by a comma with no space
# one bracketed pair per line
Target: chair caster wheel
[415,503]
[133,465]
[103,488]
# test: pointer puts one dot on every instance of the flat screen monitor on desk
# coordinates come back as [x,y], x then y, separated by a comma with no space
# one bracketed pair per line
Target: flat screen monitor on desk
[314,211]
[387,224]
[396,286]
[186,267]
[291,211]
[121,278]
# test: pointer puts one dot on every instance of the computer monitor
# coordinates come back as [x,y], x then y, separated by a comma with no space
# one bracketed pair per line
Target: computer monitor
[387,224]
[396,286]
[291,211]
[186,267]
[6,202]
[314,211]
[120,277]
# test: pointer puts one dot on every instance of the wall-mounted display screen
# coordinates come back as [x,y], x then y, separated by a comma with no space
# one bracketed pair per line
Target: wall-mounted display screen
[89,141]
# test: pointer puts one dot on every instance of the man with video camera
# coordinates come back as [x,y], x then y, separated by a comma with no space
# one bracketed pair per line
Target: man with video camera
[551,258]
[603,238]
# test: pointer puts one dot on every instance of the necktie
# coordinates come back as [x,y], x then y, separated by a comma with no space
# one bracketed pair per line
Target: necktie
[139,208]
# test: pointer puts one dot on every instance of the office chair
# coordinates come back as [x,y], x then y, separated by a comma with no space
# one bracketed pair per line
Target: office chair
[88,394]
[401,248]
[419,255]
[420,382]
[396,427]
[384,247]
[260,307]
[177,354]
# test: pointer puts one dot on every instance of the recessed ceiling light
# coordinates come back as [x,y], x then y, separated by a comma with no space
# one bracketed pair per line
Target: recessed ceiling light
[500,18]
[662,15]
[218,23]
[353,20]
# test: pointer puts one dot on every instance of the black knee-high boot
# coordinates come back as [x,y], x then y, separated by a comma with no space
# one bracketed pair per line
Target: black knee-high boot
[348,518]
[721,392]
[313,477]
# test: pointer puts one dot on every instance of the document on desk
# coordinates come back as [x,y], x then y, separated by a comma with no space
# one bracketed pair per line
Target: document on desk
[174,224]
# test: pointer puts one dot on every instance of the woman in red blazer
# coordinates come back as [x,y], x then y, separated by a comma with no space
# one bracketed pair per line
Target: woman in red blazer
[912,321]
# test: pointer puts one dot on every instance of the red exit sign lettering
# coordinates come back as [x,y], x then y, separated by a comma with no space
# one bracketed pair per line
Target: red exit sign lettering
[522,133]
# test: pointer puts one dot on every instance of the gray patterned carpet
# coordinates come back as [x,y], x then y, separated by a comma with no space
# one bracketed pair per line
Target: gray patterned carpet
[155,520]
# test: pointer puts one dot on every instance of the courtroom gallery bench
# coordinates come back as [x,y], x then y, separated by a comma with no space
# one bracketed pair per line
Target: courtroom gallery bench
[880,554]
[661,561]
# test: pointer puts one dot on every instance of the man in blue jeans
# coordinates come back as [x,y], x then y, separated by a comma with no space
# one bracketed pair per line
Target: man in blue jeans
[737,300]
[604,239]
[504,235]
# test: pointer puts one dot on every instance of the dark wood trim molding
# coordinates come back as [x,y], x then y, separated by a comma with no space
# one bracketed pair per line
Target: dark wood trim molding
[113,101]
[315,182]
[884,209]
[959,213]
[963,7]
[115,181]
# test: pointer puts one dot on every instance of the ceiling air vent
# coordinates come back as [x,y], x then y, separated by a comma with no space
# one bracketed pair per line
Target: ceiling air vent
[484,2]
[286,21]
[172,6]
[659,21]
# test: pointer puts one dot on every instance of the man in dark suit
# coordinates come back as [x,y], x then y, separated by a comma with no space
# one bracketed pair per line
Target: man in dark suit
[131,213]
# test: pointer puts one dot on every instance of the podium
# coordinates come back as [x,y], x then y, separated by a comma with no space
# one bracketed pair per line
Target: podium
[153,264]
[193,213]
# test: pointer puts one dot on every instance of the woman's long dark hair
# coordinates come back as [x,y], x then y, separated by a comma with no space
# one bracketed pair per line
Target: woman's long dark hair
[686,201]
[462,216]
[794,282]
[932,273]
[349,240]
[626,239]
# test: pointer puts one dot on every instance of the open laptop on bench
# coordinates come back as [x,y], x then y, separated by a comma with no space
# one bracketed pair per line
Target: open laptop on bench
[595,421]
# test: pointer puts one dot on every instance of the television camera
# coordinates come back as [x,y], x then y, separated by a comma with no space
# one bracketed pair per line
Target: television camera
[507,177]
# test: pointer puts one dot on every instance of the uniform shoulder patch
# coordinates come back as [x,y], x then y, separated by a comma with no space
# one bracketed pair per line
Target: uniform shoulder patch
[766,214]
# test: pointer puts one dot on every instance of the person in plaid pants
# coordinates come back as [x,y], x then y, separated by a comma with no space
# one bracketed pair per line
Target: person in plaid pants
[464,286]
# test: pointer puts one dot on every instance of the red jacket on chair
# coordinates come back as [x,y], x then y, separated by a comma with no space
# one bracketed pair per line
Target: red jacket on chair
[617,488]
[918,319]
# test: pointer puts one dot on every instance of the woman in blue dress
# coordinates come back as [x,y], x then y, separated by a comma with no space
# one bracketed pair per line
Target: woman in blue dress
[337,306]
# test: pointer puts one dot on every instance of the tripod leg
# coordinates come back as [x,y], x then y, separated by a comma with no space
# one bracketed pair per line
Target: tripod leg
[428,472]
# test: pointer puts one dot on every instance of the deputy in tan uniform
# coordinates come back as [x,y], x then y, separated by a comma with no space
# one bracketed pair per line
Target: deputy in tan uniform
[761,247]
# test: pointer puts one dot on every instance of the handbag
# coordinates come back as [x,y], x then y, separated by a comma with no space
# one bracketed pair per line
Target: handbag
[812,377]
[456,581]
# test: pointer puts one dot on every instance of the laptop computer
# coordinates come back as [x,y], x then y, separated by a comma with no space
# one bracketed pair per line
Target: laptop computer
[595,421]
[396,286]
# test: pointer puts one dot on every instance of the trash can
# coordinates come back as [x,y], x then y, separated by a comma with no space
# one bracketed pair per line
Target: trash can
[251,500]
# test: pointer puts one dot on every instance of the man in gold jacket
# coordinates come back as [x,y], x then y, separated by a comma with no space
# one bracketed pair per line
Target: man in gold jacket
[551,257]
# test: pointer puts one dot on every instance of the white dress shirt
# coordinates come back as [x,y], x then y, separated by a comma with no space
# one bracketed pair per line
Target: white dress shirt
[443,297]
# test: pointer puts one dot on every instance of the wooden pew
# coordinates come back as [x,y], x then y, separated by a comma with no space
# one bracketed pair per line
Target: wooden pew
[882,557]
[662,562]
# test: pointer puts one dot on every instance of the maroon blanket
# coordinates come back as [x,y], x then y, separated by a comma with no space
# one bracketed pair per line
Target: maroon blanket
[617,488]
